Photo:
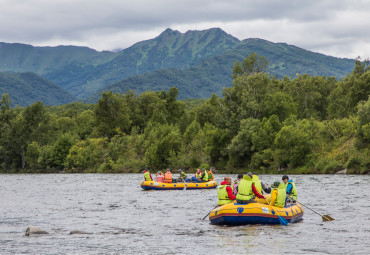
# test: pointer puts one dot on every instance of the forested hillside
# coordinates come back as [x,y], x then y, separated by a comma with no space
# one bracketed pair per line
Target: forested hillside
[198,63]
[213,74]
[28,88]
[300,124]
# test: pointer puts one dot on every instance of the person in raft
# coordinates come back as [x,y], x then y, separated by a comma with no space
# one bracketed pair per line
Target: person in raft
[278,194]
[183,176]
[168,176]
[159,177]
[291,189]
[147,176]
[260,186]
[197,177]
[210,175]
[204,177]
[247,191]
[236,183]
[225,192]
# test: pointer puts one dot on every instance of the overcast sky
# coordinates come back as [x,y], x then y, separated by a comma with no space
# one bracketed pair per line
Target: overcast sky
[339,28]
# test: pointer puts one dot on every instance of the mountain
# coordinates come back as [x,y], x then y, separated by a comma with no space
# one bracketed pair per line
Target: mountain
[214,73]
[197,62]
[27,88]
[82,71]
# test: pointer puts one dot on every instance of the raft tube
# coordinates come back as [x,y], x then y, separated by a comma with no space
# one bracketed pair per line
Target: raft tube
[254,213]
[152,185]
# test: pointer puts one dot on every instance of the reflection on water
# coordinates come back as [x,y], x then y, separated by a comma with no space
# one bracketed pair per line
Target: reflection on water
[121,218]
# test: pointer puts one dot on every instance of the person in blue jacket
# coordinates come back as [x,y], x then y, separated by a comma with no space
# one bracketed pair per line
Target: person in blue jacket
[291,189]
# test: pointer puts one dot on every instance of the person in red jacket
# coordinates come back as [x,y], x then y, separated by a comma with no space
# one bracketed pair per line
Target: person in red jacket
[147,176]
[225,192]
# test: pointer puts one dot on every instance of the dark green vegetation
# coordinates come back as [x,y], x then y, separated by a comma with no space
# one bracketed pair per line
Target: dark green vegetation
[305,124]
[198,63]
[27,88]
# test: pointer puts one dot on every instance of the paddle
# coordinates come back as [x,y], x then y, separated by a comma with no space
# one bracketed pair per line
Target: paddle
[324,217]
[282,221]
[209,212]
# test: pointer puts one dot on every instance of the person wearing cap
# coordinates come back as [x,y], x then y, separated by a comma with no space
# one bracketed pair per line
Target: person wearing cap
[183,176]
[291,189]
[247,191]
[225,193]
[236,183]
[278,194]
[147,175]
[168,176]
[204,177]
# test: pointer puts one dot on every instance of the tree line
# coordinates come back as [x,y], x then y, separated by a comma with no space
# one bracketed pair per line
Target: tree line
[305,124]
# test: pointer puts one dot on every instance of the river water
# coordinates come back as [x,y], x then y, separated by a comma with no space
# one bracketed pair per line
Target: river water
[122,219]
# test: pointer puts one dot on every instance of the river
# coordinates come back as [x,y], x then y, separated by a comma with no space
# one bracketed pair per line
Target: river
[121,218]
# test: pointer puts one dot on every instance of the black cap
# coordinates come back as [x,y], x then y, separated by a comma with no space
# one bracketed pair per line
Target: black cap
[285,177]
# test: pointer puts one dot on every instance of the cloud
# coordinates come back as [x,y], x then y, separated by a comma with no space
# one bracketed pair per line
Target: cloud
[337,28]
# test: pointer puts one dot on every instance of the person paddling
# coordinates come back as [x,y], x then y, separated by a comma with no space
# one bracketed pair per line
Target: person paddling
[291,189]
[278,194]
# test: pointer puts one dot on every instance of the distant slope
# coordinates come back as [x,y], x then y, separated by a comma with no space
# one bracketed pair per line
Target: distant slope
[171,49]
[197,62]
[16,57]
[27,88]
[82,71]
[215,73]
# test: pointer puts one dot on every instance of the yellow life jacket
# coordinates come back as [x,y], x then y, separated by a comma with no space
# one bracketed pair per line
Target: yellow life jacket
[147,176]
[294,192]
[281,196]
[205,177]
[223,197]
[245,191]
[198,175]
[257,183]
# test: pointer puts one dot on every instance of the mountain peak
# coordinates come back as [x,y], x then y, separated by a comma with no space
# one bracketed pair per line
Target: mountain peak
[168,32]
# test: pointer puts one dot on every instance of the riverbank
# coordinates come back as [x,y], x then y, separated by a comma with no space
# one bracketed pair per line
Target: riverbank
[189,171]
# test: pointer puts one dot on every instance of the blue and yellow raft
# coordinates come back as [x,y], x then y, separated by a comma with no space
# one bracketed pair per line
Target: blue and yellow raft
[254,213]
[153,185]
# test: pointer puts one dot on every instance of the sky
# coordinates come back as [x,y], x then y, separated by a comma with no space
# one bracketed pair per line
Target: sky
[339,28]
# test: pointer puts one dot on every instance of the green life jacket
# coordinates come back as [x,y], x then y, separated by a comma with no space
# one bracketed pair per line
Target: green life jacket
[205,177]
[293,193]
[245,191]
[281,195]
[223,197]
[183,175]
[147,176]
[257,183]
[198,175]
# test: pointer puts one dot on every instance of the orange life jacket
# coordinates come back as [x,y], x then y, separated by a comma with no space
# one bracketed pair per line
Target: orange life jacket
[168,177]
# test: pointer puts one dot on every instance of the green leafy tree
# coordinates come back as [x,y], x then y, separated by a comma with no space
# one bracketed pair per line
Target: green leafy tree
[111,114]
[251,64]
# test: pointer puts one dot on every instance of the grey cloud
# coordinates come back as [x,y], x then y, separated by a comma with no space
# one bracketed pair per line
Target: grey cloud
[38,21]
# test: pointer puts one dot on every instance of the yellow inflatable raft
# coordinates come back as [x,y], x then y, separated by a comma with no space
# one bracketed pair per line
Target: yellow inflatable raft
[254,213]
[152,185]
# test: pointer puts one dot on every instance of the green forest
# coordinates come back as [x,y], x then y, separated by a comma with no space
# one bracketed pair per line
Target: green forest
[299,125]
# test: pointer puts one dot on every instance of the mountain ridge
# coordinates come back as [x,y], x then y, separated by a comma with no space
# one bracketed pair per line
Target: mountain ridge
[84,72]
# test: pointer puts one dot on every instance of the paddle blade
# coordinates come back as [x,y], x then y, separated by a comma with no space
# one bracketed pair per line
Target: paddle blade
[327,218]
[283,221]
